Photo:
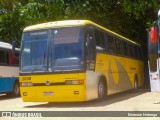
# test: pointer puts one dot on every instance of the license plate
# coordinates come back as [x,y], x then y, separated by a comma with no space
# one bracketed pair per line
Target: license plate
[48,93]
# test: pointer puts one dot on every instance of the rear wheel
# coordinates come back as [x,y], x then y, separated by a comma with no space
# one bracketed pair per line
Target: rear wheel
[136,83]
[102,90]
[16,90]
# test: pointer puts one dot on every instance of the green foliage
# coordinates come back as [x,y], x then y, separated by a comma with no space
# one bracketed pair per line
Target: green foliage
[130,18]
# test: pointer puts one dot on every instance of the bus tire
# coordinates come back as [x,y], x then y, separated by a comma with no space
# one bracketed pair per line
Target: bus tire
[16,90]
[102,89]
[136,83]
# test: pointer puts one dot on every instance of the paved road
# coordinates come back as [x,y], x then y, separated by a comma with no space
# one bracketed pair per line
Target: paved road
[141,100]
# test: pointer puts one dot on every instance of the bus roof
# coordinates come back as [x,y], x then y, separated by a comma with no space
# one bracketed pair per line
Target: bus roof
[5,45]
[69,23]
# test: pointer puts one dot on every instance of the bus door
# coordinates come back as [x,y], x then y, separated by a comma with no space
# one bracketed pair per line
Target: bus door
[90,55]
[153,59]
[90,48]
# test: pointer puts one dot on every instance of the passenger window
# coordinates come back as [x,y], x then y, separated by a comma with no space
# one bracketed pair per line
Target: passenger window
[140,53]
[131,51]
[125,48]
[102,36]
[17,57]
[100,40]
[106,42]
[2,58]
[7,57]
[118,46]
[12,59]
[136,52]
[97,37]
[111,44]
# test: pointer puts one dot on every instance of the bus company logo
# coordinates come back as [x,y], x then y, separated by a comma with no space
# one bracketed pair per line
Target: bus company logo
[47,82]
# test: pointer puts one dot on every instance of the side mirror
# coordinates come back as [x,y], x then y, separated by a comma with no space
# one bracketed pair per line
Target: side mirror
[13,47]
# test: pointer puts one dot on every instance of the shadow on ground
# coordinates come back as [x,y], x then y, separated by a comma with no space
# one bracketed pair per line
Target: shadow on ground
[6,97]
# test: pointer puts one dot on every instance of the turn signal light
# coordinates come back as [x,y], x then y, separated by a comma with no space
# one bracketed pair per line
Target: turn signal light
[74,82]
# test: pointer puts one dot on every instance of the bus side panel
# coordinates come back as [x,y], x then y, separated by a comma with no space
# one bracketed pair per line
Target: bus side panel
[115,70]
[92,78]
[132,70]
[8,76]
[9,71]
[6,84]
[120,72]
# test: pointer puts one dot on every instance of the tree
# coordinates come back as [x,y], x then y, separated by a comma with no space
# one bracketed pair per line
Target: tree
[10,20]
[127,17]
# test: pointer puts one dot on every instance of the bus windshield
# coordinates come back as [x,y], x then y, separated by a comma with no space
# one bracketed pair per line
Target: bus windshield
[53,50]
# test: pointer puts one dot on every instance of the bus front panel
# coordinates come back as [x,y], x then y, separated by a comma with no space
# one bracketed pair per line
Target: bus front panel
[53,88]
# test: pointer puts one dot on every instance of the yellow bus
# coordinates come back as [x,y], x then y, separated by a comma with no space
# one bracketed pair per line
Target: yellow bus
[77,60]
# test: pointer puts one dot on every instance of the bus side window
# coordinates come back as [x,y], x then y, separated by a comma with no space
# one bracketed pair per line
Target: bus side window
[125,49]
[140,53]
[131,51]
[7,57]
[17,58]
[100,40]
[136,52]
[2,57]
[103,44]
[12,59]
[106,42]
[118,46]
[111,44]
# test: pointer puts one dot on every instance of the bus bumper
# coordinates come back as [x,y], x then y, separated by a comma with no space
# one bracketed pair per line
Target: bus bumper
[68,93]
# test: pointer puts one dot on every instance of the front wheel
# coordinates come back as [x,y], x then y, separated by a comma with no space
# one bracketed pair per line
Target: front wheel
[101,89]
